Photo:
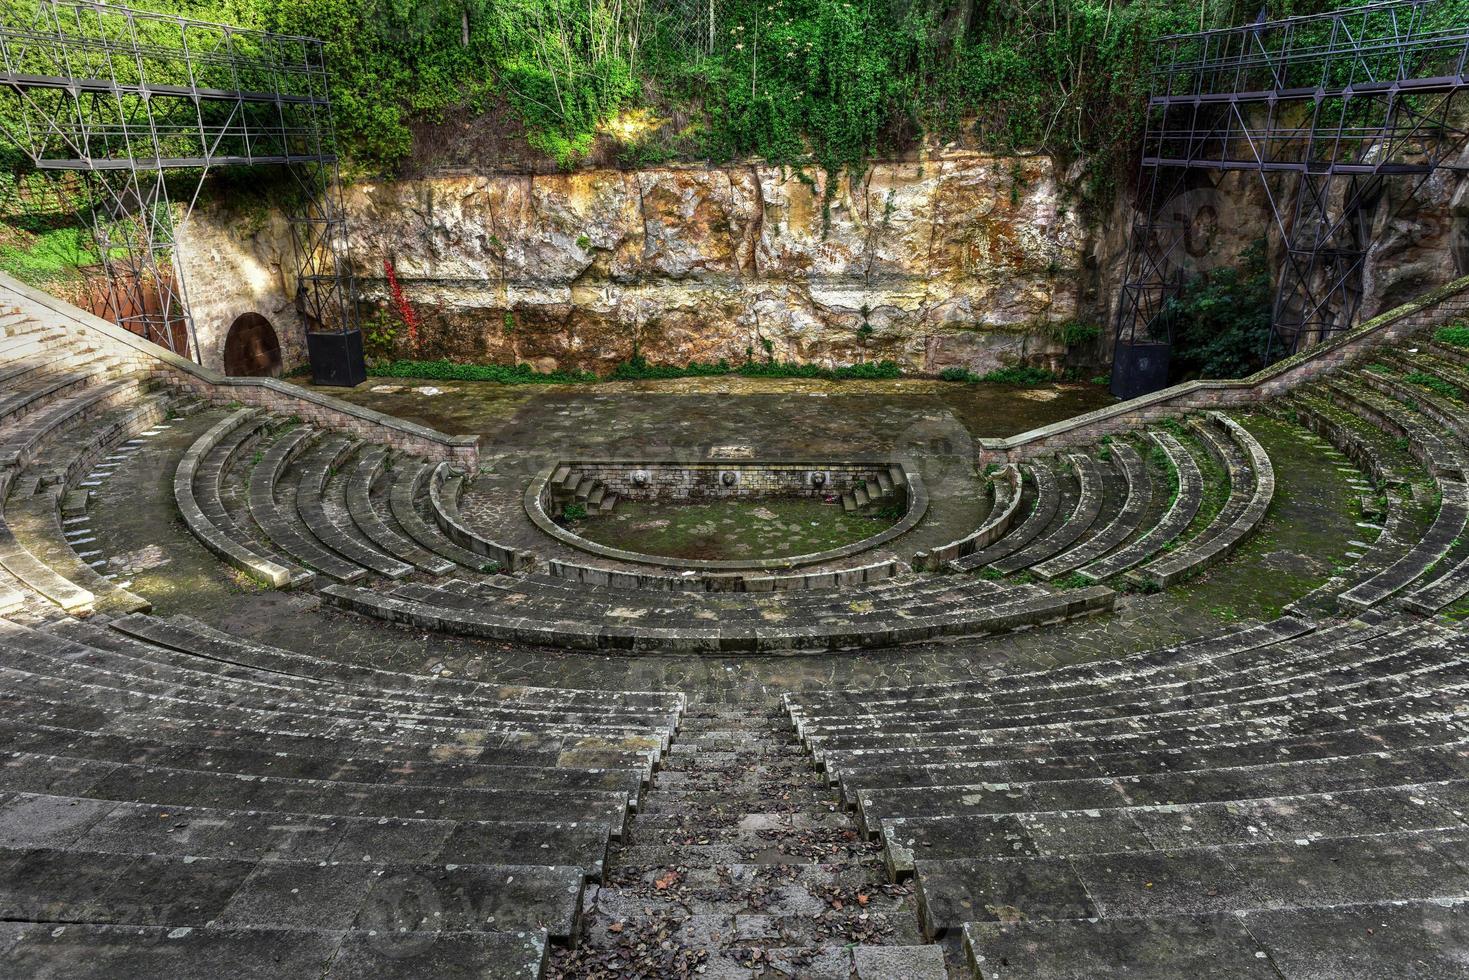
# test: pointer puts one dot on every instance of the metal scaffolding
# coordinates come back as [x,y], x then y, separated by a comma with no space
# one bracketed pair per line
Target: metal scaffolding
[1325,109]
[134,109]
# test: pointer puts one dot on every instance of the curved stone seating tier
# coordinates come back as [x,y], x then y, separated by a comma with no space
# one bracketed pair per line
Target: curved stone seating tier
[366,474]
[1174,521]
[210,787]
[692,581]
[1045,501]
[279,522]
[544,610]
[409,481]
[196,491]
[1137,495]
[198,640]
[1252,487]
[62,433]
[338,534]
[1354,413]
[1292,769]
[1005,488]
[1434,448]
[1265,943]
[444,488]
[1075,518]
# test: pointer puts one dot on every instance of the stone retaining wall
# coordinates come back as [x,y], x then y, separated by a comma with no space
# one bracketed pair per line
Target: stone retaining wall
[697,481]
[273,396]
[1432,309]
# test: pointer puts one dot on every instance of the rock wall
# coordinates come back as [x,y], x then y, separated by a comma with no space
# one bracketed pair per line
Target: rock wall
[956,259]
[960,259]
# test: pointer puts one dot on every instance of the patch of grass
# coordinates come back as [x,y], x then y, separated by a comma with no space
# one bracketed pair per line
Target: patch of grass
[573,512]
[50,256]
[1455,335]
[1433,383]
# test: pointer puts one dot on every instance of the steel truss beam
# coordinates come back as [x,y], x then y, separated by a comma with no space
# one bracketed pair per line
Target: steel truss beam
[1327,110]
[145,106]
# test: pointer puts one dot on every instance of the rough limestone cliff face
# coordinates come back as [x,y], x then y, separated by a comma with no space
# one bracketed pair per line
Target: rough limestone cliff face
[960,259]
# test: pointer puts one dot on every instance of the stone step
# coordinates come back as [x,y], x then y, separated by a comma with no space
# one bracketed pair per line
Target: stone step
[1244,676]
[767,889]
[29,820]
[1411,867]
[1252,490]
[64,885]
[196,490]
[1136,503]
[1070,523]
[1222,784]
[1283,819]
[1403,731]
[409,478]
[1363,940]
[119,654]
[196,639]
[336,534]
[1427,666]
[89,951]
[1175,520]
[1045,501]
[125,783]
[377,525]
[751,945]
[279,522]
[1361,720]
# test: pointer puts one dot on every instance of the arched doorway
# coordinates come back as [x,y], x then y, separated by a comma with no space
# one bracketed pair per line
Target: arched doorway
[251,349]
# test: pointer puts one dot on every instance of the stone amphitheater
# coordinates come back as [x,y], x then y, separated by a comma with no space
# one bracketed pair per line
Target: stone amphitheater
[298,685]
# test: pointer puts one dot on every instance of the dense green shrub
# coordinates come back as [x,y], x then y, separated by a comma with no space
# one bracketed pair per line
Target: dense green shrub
[830,81]
[1020,375]
[1221,322]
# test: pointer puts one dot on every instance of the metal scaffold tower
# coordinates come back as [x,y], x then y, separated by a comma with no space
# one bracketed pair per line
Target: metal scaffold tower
[132,110]
[1325,109]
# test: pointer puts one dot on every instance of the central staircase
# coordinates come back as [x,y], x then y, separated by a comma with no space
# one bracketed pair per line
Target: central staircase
[741,863]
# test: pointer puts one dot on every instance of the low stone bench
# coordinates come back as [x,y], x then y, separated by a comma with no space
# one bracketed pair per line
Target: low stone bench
[1252,488]
[1005,488]
[281,525]
[1069,524]
[203,512]
[1179,515]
